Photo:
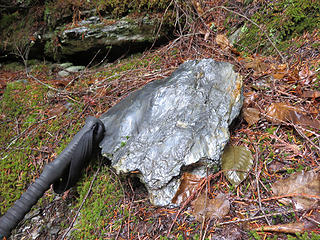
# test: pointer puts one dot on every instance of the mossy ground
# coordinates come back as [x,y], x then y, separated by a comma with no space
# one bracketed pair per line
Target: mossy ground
[101,211]
[27,134]
[110,210]
[282,20]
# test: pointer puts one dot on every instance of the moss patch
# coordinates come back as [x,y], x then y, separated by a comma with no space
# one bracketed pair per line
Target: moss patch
[282,20]
[29,134]
[99,214]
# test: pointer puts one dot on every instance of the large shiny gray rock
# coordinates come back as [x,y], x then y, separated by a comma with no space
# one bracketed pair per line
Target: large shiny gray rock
[172,124]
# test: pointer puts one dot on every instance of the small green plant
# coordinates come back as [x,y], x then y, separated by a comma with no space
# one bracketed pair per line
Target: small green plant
[305,236]
[254,235]
[290,170]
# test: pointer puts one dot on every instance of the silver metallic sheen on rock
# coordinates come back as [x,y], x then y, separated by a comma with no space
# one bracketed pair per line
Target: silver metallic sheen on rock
[173,124]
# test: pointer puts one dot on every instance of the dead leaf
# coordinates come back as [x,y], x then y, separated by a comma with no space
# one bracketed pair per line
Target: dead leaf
[279,71]
[282,67]
[239,161]
[251,115]
[57,110]
[310,94]
[282,112]
[188,184]
[307,183]
[204,207]
[257,64]
[249,98]
[278,75]
[222,41]
[306,75]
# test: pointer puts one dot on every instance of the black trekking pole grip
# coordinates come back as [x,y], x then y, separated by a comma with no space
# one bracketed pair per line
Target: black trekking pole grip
[63,173]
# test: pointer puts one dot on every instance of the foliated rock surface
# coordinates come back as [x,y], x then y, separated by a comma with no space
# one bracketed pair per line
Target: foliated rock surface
[172,125]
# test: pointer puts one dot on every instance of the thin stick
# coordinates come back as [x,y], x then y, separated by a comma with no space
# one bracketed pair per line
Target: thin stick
[257,174]
[206,205]
[82,72]
[24,57]
[14,139]
[118,233]
[83,201]
[206,230]
[292,195]
[313,220]
[182,36]
[160,26]
[305,137]
[296,127]
[44,84]
[258,217]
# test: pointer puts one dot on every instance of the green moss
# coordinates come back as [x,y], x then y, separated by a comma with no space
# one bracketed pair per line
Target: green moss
[282,20]
[8,19]
[26,135]
[13,66]
[55,10]
[16,167]
[118,8]
[305,236]
[98,216]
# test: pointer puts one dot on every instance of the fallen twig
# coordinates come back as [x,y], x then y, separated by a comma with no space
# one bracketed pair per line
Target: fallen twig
[257,174]
[82,72]
[291,195]
[44,84]
[84,200]
[259,217]
[14,139]
[305,137]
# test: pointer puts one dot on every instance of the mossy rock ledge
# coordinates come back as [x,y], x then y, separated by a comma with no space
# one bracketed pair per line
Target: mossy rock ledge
[108,36]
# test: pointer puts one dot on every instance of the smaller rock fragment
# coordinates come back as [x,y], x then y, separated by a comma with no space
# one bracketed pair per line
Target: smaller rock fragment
[63,73]
[65,65]
[74,69]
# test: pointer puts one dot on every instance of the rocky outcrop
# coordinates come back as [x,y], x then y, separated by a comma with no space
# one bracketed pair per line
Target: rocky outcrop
[93,33]
[173,124]
[94,36]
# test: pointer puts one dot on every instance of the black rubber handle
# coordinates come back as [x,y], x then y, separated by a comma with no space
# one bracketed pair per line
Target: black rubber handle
[63,172]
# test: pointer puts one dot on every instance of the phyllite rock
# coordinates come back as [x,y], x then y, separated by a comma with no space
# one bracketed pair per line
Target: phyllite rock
[172,125]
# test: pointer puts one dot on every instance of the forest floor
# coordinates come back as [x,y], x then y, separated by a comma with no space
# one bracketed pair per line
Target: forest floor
[279,124]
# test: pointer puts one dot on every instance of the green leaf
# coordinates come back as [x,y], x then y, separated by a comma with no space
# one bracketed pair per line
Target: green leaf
[239,161]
